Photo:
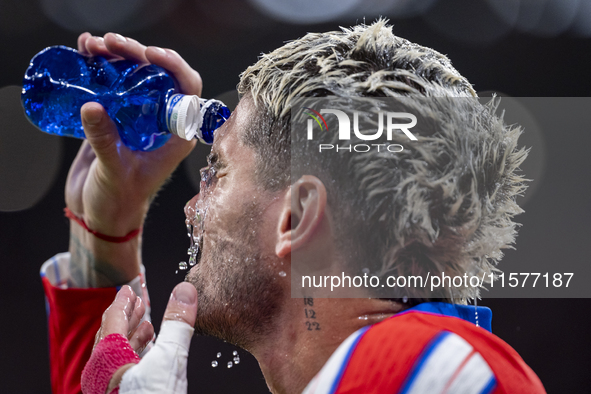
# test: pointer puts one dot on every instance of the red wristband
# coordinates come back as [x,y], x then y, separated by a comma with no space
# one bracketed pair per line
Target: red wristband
[113,352]
[132,234]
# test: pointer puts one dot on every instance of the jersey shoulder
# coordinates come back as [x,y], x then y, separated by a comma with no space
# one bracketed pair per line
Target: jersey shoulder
[418,352]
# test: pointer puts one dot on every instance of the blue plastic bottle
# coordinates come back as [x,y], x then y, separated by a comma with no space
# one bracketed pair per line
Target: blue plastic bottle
[141,100]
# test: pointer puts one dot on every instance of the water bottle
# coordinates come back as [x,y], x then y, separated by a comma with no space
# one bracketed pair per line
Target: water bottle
[142,100]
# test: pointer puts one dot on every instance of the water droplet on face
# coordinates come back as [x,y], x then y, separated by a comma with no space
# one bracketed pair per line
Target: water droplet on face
[192,260]
[405,299]
[235,353]
[183,265]
[207,176]
[189,211]
[230,365]
[194,247]
[204,176]
[214,363]
[282,274]
[219,355]
[195,223]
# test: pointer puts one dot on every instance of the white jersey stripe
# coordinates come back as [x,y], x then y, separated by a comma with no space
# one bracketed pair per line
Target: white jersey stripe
[449,365]
[438,365]
[326,381]
[473,378]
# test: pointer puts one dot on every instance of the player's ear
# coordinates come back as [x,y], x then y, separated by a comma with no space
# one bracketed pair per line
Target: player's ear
[304,205]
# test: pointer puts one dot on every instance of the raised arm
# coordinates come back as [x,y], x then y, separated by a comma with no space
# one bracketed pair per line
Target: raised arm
[109,186]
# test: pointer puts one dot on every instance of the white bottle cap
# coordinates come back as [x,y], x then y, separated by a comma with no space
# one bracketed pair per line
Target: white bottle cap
[183,116]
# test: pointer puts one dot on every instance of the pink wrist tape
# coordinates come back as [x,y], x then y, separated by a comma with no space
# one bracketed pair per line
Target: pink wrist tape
[113,352]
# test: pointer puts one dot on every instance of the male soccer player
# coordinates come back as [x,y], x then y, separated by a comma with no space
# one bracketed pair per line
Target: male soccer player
[445,203]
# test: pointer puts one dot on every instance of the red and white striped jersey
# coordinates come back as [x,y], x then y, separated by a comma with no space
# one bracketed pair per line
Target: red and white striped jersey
[433,348]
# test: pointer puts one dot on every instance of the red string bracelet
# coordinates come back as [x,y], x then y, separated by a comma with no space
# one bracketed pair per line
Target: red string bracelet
[132,234]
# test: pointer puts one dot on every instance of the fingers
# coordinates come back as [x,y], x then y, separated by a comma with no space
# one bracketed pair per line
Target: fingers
[117,317]
[138,312]
[182,305]
[82,43]
[140,333]
[95,46]
[189,80]
[124,47]
[164,368]
[115,46]
[101,132]
[141,336]
[123,317]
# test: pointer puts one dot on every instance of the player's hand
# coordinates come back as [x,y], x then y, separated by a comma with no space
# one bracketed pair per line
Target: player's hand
[163,368]
[124,317]
[111,186]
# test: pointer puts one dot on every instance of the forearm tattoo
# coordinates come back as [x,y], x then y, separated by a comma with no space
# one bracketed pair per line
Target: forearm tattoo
[85,268]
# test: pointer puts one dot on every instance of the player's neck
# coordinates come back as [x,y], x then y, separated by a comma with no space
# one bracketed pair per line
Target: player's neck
[308,332]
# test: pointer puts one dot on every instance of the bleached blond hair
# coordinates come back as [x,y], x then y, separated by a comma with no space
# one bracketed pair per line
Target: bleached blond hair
[446,204]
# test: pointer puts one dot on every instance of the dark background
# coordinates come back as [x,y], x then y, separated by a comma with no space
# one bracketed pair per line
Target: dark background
[516,47]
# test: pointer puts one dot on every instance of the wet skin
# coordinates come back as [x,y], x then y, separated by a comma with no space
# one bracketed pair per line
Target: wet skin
[243,276]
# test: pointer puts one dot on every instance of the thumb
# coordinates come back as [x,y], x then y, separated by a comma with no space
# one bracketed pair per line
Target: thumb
[101,132]
[182,305]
